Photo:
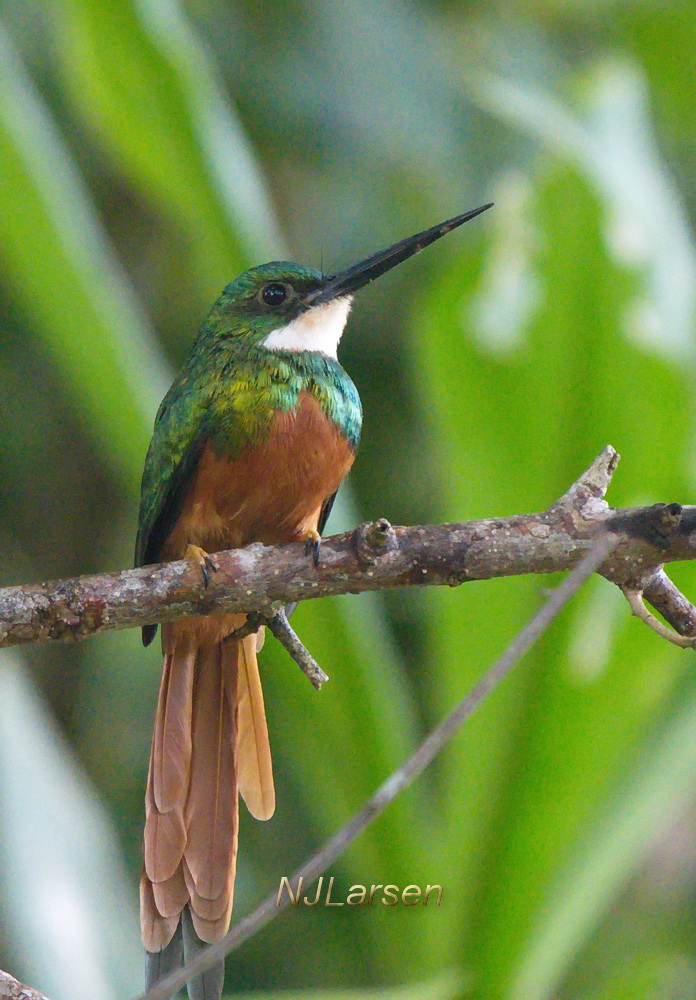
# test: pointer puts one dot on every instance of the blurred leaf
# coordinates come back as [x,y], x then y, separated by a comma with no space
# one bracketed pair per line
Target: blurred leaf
[645,226]
[650,976]
[520,426]
[66,279]
[655,34]
[646,801]
[148,88]
[68,909]
[446,987]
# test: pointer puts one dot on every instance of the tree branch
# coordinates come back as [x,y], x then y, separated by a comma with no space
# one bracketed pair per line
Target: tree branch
[375,556]
[12,989]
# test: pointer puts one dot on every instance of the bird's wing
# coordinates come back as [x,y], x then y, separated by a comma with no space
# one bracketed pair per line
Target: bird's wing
[176,445]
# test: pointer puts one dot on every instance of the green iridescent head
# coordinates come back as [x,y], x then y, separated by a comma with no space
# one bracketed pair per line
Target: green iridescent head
[285,306]
[264,299]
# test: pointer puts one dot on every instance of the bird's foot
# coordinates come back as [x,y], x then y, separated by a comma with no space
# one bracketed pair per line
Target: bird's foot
[312,540]
[205,562]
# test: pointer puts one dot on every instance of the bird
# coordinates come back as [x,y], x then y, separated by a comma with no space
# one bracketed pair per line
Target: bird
[250,444]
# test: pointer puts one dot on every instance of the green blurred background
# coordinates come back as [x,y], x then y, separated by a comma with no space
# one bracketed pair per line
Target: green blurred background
[152,149]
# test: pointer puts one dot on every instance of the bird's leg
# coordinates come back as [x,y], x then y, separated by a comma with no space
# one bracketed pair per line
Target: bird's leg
[312,540]
[204,561]
[254,621]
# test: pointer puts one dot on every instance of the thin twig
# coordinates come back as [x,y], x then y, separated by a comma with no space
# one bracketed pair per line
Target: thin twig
[387,792]
[637,606]
[286,634]
[666,598]
[277,621]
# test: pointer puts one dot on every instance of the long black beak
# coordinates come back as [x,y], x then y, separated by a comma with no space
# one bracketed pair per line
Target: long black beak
[361,274]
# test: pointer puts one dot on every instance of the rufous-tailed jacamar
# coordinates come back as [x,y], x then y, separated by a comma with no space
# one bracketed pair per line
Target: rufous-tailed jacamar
[250,445]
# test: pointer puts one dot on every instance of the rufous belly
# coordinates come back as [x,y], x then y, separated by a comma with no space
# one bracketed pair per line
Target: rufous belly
[270,493]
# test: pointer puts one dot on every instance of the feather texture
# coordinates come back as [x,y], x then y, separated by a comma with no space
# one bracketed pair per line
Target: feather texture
[211,809]
[210,741]
[208,985]
[208,909]
[171,895]
[161,963]
[172,736]
[255,771]
[157,930]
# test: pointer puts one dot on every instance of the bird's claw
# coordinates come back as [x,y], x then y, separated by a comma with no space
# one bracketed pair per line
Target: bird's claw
[312,540]
[204,561]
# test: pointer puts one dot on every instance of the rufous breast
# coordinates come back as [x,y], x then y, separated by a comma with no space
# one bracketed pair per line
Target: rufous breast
[272,492]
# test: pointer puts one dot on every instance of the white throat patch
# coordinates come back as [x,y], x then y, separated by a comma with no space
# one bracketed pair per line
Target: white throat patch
[318,329]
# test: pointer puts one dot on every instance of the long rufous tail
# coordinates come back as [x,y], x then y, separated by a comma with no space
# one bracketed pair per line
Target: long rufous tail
[210,743]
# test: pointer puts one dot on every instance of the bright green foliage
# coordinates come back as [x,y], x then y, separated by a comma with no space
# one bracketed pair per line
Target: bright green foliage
[138,144]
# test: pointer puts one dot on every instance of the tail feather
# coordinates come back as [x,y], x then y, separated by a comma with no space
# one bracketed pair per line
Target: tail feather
[212,817]
[170,762]
[210,742]
[208,909]
[161,963]
[207,986]
[171,755]
[171,895]
[157,930]
[209,931]
[255,770]
[165,840]
[165,835]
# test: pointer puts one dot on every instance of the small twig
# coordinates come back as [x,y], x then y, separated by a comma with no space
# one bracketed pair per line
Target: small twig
[638,608]
[400,779]
[674,607]
[277,621]
[284,632]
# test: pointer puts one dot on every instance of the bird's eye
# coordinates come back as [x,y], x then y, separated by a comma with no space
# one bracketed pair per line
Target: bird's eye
[274,294]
